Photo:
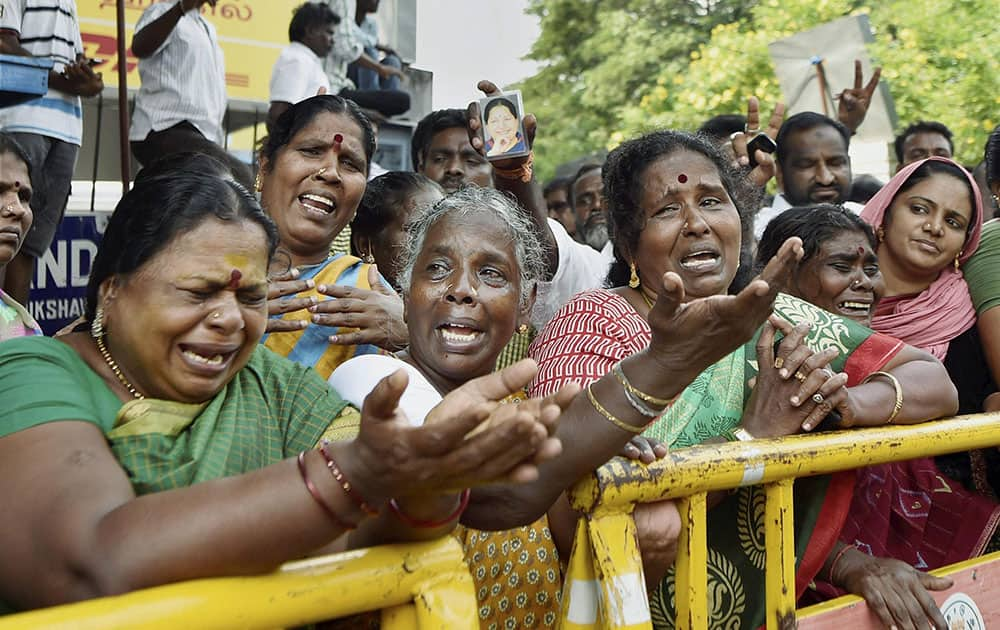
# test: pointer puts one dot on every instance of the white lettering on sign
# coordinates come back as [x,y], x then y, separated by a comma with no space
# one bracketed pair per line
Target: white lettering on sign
[68,266]
[59,308]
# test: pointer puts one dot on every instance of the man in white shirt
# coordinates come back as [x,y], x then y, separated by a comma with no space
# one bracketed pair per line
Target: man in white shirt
[182,96]
[813,166]
[349,47]
[298,72]
[49,128]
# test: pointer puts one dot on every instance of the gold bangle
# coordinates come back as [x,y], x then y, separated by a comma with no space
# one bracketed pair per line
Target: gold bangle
[653,400]
[607,414]
[898,405]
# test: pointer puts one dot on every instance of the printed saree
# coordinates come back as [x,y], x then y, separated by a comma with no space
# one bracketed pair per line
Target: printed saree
[714,403]
[311,346]
[15,321]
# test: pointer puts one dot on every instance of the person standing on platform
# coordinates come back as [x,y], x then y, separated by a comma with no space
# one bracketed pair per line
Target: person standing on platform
[182,96]
[49,129]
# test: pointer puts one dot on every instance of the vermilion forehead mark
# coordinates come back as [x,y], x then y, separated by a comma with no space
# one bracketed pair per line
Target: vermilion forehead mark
[682,178]
[337,139]
[861,250]
[234,278]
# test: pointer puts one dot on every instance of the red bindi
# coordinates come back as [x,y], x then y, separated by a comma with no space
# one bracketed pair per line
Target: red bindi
[338,138]
[234,278]
[861,251]
[682,178]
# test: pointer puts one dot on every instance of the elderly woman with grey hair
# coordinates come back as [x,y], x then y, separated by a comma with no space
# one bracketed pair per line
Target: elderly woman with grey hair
[468,278]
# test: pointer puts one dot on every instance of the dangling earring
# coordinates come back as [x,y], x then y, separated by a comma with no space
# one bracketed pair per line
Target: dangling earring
[522,329]
[633,280]
[258,183]
[368,258]
[97,326]
[956,260]
[880,234]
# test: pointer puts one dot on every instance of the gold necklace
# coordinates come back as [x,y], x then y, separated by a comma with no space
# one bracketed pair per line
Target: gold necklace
[646,299]
[117,370]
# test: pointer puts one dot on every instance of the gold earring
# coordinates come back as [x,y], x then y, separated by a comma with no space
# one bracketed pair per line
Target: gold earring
[956,260]
[880,234]
[633,280]
[97,326]
[522,329]
[368,258]
[258,182]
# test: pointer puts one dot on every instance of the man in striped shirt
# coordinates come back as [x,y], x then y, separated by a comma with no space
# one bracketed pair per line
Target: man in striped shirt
[48,128]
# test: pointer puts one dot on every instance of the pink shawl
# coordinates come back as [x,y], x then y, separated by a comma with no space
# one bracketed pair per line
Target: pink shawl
[944,310]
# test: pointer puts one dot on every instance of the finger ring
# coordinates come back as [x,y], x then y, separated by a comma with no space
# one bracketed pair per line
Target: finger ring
[778,362]
[749,131]
[800,376]
[818,398]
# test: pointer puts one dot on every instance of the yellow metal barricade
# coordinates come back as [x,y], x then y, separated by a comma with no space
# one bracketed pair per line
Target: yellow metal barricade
[604,587]
[421,585]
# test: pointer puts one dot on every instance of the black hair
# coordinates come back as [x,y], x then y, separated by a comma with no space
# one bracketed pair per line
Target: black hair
[863,188]
[430,125]
[307,16]
[497,102]
[803,121]
[623,173]
[935,167]
[992,156]
[161,205]
[559,183]
[193,161]
[814,224]
[9,144]
[580,172]
[722,126]
[921,126]
[301,114]
[384,197]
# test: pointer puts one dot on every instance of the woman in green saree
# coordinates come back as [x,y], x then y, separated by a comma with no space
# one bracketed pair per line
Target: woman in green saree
[675,206]
[163,443]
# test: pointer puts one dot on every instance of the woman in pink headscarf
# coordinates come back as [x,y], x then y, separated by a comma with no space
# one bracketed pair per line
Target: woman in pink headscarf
[927,220]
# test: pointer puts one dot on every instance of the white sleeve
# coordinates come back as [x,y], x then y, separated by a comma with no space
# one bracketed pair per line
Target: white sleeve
[356,378]
[289,80]
[151,13]
[580,268]
[11,13]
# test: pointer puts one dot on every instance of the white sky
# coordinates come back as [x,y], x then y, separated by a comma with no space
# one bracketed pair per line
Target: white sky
[463,41]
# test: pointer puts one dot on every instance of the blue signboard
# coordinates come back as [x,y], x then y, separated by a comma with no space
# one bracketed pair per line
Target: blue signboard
[59,288]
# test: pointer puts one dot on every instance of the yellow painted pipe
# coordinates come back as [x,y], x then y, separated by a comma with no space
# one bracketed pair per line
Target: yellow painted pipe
[299,593]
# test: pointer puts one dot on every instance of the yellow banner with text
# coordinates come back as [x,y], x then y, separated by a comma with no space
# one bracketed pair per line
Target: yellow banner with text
[251,34]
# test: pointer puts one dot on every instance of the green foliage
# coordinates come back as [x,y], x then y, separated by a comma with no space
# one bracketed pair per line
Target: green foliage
[615,68]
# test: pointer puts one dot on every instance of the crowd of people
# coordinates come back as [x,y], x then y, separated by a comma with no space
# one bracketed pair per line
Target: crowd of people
[239,394]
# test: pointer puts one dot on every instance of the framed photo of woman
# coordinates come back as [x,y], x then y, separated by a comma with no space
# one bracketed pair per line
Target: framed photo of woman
[503,129]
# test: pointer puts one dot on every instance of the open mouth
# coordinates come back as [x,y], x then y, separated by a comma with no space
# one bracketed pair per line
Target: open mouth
[854,309]
[205,358]
[459,334]
[701,261]
[318,204]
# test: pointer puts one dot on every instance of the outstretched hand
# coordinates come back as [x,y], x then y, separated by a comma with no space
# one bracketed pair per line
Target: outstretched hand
[475,128]
[854,102]
[688,337]
[468,439]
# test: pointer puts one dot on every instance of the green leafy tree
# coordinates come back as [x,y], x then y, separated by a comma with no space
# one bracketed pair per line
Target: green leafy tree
[615,69]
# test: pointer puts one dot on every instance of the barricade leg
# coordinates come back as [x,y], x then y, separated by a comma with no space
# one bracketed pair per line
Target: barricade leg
[779,548]
[691,566]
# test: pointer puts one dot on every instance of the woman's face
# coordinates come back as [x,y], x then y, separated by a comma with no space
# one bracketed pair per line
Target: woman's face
[692,226]
[311,205]
[463,302]
[926,226]
[502,125]
[15,213]
[388,243]
[842,277]
[185,322]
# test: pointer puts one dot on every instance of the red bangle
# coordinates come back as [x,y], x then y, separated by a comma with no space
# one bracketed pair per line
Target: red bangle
[314,491]
[836,559]
[414,522]
[349,490]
